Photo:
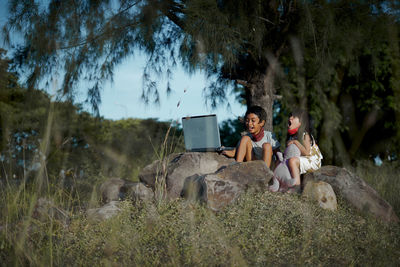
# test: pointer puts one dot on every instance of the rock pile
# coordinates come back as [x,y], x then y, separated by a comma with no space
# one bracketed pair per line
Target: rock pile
[218,181]
[355,191]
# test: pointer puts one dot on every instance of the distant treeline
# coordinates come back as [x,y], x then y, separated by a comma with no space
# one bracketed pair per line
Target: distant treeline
[34,129]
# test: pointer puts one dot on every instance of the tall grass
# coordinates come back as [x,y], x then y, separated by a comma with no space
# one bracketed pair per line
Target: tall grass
[385,179]
[167,147]
[260,229]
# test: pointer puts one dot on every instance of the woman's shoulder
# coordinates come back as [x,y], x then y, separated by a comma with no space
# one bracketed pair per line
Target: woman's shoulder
[310,136]
[307,134]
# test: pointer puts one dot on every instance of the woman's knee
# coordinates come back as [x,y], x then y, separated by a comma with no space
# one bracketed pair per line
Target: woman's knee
[245,139]
[267,147]
[294,161]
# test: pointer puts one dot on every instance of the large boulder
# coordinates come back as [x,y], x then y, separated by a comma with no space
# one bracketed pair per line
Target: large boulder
[118,189]
[221,188]
[355,191]
[137,191]
[176,168]
[322,193]
[150,173]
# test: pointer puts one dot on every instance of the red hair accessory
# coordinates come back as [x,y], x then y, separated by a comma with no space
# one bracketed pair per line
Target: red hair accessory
[292,131]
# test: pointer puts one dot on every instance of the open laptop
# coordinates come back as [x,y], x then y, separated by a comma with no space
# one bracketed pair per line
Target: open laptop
[201,134]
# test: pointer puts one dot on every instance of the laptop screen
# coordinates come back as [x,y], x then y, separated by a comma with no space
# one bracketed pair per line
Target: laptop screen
[201,133]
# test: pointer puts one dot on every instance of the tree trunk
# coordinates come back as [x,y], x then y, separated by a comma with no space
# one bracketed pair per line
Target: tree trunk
[260,92]
[342,157]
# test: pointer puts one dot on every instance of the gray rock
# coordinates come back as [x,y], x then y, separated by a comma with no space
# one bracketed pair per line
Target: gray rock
[105,212]
[149,174]
[220,192]
[223,187]
[354,189]
[180,166]
[137,191]
[322,193]
[110,190]
[251,174]
[194,188]
[120,189]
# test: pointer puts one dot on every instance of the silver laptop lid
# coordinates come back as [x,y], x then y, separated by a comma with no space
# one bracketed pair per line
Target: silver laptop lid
[201,133]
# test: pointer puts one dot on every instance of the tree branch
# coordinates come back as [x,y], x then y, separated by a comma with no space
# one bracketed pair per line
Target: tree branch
[267,20]
[104,31]
[243,82]
[174,18]
[95,37]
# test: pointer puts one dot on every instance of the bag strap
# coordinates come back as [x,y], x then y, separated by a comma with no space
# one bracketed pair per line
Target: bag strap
[312,138]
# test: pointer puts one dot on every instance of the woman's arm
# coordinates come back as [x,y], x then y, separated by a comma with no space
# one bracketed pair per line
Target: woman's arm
[229,153]
[304,149]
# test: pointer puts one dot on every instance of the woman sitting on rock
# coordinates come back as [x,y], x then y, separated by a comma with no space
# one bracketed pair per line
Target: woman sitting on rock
[301,155]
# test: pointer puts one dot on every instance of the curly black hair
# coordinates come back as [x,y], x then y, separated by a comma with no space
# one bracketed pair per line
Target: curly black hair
[259,111]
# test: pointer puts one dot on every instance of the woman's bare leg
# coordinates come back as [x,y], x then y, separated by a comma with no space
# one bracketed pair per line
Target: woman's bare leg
[294,167]
[267,153]
[245,150]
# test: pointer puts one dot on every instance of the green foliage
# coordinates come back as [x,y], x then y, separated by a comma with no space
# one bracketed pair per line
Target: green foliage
[230,132]
[88,39]
[80,143]
[228,39]
[342,66]
[341,70]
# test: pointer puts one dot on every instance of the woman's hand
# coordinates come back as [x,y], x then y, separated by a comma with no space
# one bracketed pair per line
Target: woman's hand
[304,149]
[293,142]
[228,153]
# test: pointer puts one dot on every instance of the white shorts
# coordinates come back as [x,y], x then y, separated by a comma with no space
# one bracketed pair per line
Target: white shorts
[308,165]
[311,163]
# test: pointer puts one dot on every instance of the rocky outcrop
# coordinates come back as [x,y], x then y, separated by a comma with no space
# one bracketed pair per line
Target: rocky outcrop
[181,166]
[223,187]
[149,174]
[322,193]
[355,191]
[219,181]
[112,191]
[137,192]
[119,189]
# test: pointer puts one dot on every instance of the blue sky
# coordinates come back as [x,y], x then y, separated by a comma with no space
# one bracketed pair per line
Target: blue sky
[121,99]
